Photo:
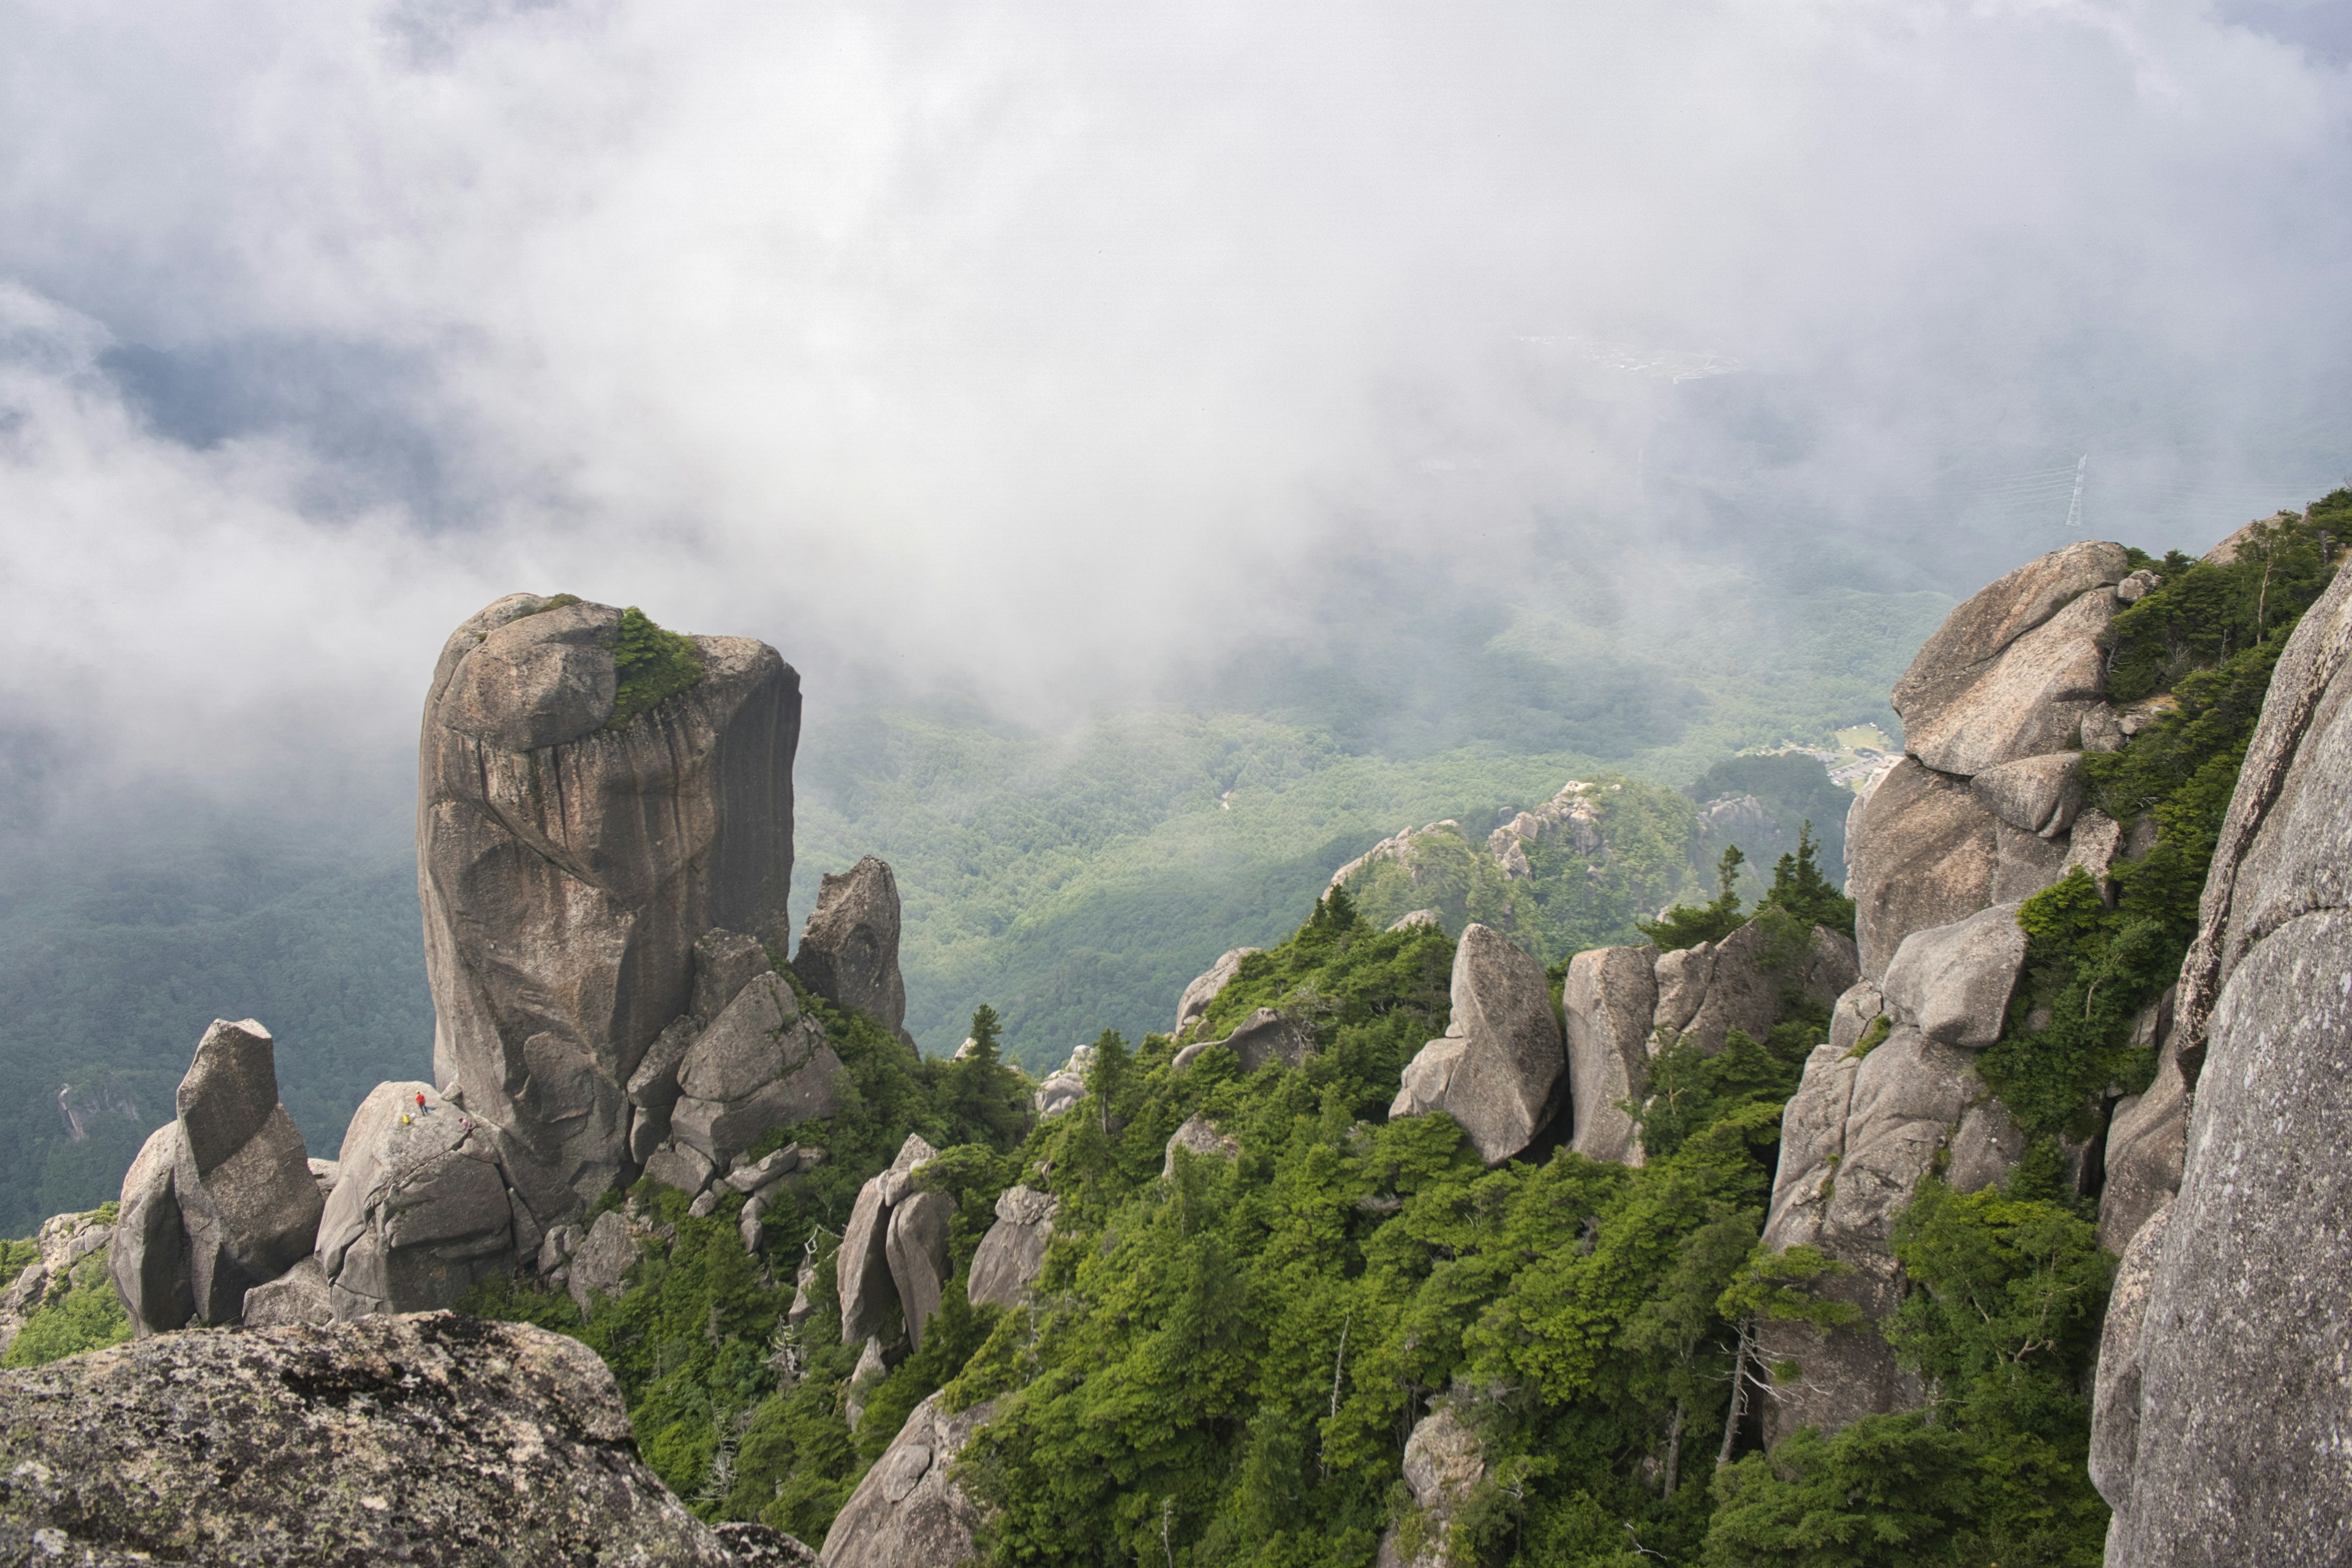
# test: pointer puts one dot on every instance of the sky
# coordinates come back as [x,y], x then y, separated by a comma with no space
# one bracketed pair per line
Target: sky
[1039,352]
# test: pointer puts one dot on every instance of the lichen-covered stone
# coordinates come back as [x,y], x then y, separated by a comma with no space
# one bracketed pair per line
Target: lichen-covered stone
[430,1439]
[908,1511]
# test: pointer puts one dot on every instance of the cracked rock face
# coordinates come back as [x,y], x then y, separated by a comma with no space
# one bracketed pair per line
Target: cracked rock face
[566,870]
[1193,1006]
[430,1438]
[1013,1253]
[2220,1428]
[421,1210]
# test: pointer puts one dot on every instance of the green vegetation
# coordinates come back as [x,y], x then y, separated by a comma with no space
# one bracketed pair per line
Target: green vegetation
[651,664]
[1800,891]
[2208,639]
[87,1315]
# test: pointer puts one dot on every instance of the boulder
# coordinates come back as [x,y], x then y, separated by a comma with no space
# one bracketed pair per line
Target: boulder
[1443,1464]
[148,1254]
[1417,918]
[1066,1085]
[862,1266]
[681,1165]
[2010,672]
[908,1511]
[601,1263]
[66,1242]
[1707,991]
[1501,1066]
[1265,1036]
[567,869]
[1606,1000]
[1200,1138]
[762,1063]
[421,1211]
[917,1249]
[1193,1005]
[2028,863]
[1921,851]
[1954,981]
[849,951]
[241,1175]
[2147,1139]
[2034,795]
[763,1174]
[1851,1016]
[298,1295]
[1013,1253]
[430,1438]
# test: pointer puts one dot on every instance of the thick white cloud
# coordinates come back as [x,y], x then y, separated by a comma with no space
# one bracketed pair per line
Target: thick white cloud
[1039,346]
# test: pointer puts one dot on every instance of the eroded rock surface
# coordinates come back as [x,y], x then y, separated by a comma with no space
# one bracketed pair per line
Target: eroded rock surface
[430,1439]
[909,1512]
[849,951]
[1265,1036]
[862,1271]
[567,868]
[1197,1137]
[1606,1000]
[1502,1066]
[1193,1006]
[1014,1251]
[1443,1464]
[2233,1450]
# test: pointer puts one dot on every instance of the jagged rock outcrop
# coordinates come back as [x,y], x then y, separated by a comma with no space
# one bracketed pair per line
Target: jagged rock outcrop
[917,1249]
[567,868]
[1443,1464]
[422,1210]
[1608,1001]
[1193,1005]
[1200,1138]
[2233,1450]
[1623,1004]
[2147,1137]
[1984,811]
[762,1063]
[1013,1253]
[1414,919]
[849,949]
[1501,1065]
[221,1199]
[862,1275]
[908,1511]
[1263,1037]
[428,1438]
[65,1241]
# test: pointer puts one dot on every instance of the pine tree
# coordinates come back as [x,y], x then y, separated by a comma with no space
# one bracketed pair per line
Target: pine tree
[1799,887]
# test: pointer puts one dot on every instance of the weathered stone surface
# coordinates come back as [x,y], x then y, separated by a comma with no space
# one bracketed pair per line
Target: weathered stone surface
[298,1295]
[682,1167]
[2246,1355]
[601,1264]
[1443,1464]
[1724,985]
[1198,1136]
[2115,1405]
[1607,1000]
[862,1268]
[148,1257]
[1264,1037]
[757,1546]
[2034,795]
[1065,1085]
[1954,981]
[421,1211]
[1502,1066]
[2008,673]
[67,1242]
[849,951]
[2028,863]
[909,1512]
[1014,1251]
[753,1175]
[1419,918]
[567,869]
[241,1176]
[1857,1008]
[1986,1146]
[415,1439]
[1193,1005]
[724,963]
[917,1249]
[1922,851]
[2147,1135]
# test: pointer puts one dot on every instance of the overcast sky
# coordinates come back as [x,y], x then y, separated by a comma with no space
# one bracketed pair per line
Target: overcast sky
[1037,347]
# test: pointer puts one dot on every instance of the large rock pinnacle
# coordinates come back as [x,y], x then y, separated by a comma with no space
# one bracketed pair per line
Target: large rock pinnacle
[567,866]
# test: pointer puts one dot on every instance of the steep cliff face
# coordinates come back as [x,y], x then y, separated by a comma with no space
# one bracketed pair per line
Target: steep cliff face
[1980,814]
[2222,1435]
[568,856]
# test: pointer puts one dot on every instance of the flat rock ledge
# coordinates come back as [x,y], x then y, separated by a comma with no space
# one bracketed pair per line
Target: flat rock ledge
[427,1438]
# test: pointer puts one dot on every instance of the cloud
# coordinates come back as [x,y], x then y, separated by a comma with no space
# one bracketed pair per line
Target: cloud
[1043,350]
